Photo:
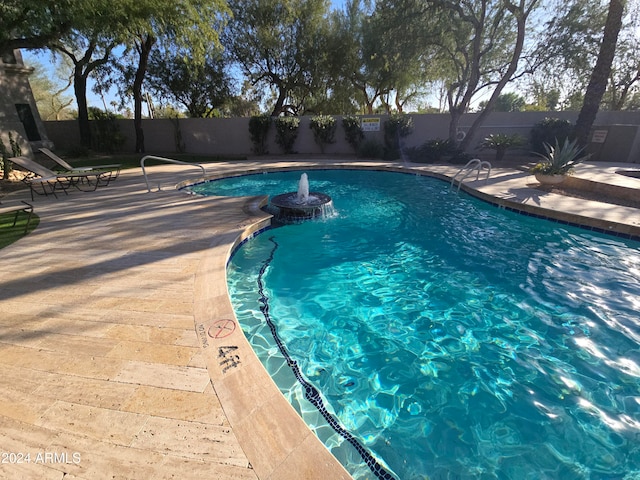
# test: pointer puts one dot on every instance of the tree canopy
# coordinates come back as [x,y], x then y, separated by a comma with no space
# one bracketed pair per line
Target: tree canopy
[298,57]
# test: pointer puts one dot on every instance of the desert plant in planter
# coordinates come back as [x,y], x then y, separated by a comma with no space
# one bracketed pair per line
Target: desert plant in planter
[558,162]
[324,130]
[501,142]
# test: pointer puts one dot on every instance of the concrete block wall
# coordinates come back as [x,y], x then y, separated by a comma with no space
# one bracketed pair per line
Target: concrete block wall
[230,136]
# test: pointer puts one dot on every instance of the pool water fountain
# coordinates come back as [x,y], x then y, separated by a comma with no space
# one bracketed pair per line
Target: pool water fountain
[302,204]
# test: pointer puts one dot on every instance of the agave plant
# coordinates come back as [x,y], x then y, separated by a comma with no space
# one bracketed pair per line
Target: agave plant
[560,159]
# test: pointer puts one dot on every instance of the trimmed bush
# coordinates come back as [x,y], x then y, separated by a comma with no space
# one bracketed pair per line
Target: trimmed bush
[353,133]
[397,126]
[287,132]
[259,126]
[547,131]
[431,151]
[371,149]
[105,132]
[324,130]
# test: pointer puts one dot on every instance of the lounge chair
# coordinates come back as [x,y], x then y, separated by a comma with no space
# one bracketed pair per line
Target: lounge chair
[17,208]
[43,181]
[114,167]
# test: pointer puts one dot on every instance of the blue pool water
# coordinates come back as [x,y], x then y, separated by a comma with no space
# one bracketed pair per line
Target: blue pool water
[448,339]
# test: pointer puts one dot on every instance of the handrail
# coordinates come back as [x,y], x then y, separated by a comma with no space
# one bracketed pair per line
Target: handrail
[472,165]
[170,160]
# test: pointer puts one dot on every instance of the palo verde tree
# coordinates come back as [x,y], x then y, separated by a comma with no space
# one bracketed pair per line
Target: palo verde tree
[279,45]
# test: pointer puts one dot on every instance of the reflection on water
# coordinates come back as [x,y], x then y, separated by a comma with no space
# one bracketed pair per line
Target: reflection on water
[453,339]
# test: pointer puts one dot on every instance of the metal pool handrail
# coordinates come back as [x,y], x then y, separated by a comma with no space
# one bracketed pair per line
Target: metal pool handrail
[472,165]
[170,160]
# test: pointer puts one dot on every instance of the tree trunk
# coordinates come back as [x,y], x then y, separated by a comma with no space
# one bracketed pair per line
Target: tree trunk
[146,44]
[277,108]
[599,76]
[520,14]
[80,89]
[455,116]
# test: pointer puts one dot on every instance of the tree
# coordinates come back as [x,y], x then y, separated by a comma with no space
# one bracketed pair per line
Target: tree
[192,24]
[484,46]
[569,48]
[625,74]
[87,51]
[49,94]
[347,64]
[598,83]
[280,44]
[507,102]
[200,87]
[36,23]
[400,53]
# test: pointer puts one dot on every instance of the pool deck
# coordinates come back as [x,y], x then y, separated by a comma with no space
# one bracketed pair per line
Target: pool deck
[120,356]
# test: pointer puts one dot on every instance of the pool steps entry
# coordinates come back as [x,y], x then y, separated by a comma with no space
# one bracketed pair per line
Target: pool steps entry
[475,165]
[167,160]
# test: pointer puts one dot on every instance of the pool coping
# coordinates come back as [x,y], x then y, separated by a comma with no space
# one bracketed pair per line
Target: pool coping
[285,447]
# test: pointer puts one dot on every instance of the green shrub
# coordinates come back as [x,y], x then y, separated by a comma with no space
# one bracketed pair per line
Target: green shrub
[105,132]
[16,151]
[324,130]
[431,151]
[259,126]
[460,157]
[287,132]
[548,131]
[371,149]
[353,133]
[397,126]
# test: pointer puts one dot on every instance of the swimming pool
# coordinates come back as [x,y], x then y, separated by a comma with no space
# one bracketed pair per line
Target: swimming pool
[451,339]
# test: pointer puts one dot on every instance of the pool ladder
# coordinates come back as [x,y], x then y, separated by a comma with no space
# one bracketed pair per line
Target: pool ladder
[168,160]
[475,165]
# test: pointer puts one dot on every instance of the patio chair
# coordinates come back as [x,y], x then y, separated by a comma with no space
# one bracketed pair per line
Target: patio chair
[17,208]
[49,181]
[114,167]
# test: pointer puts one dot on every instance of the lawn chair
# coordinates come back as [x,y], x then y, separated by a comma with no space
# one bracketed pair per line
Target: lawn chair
[49,181]
[17,208]
[114,167]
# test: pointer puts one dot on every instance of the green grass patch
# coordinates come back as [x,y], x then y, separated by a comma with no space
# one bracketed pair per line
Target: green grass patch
[9,233]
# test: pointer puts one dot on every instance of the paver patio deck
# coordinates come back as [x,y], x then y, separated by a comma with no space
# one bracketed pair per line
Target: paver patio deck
[119,352]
